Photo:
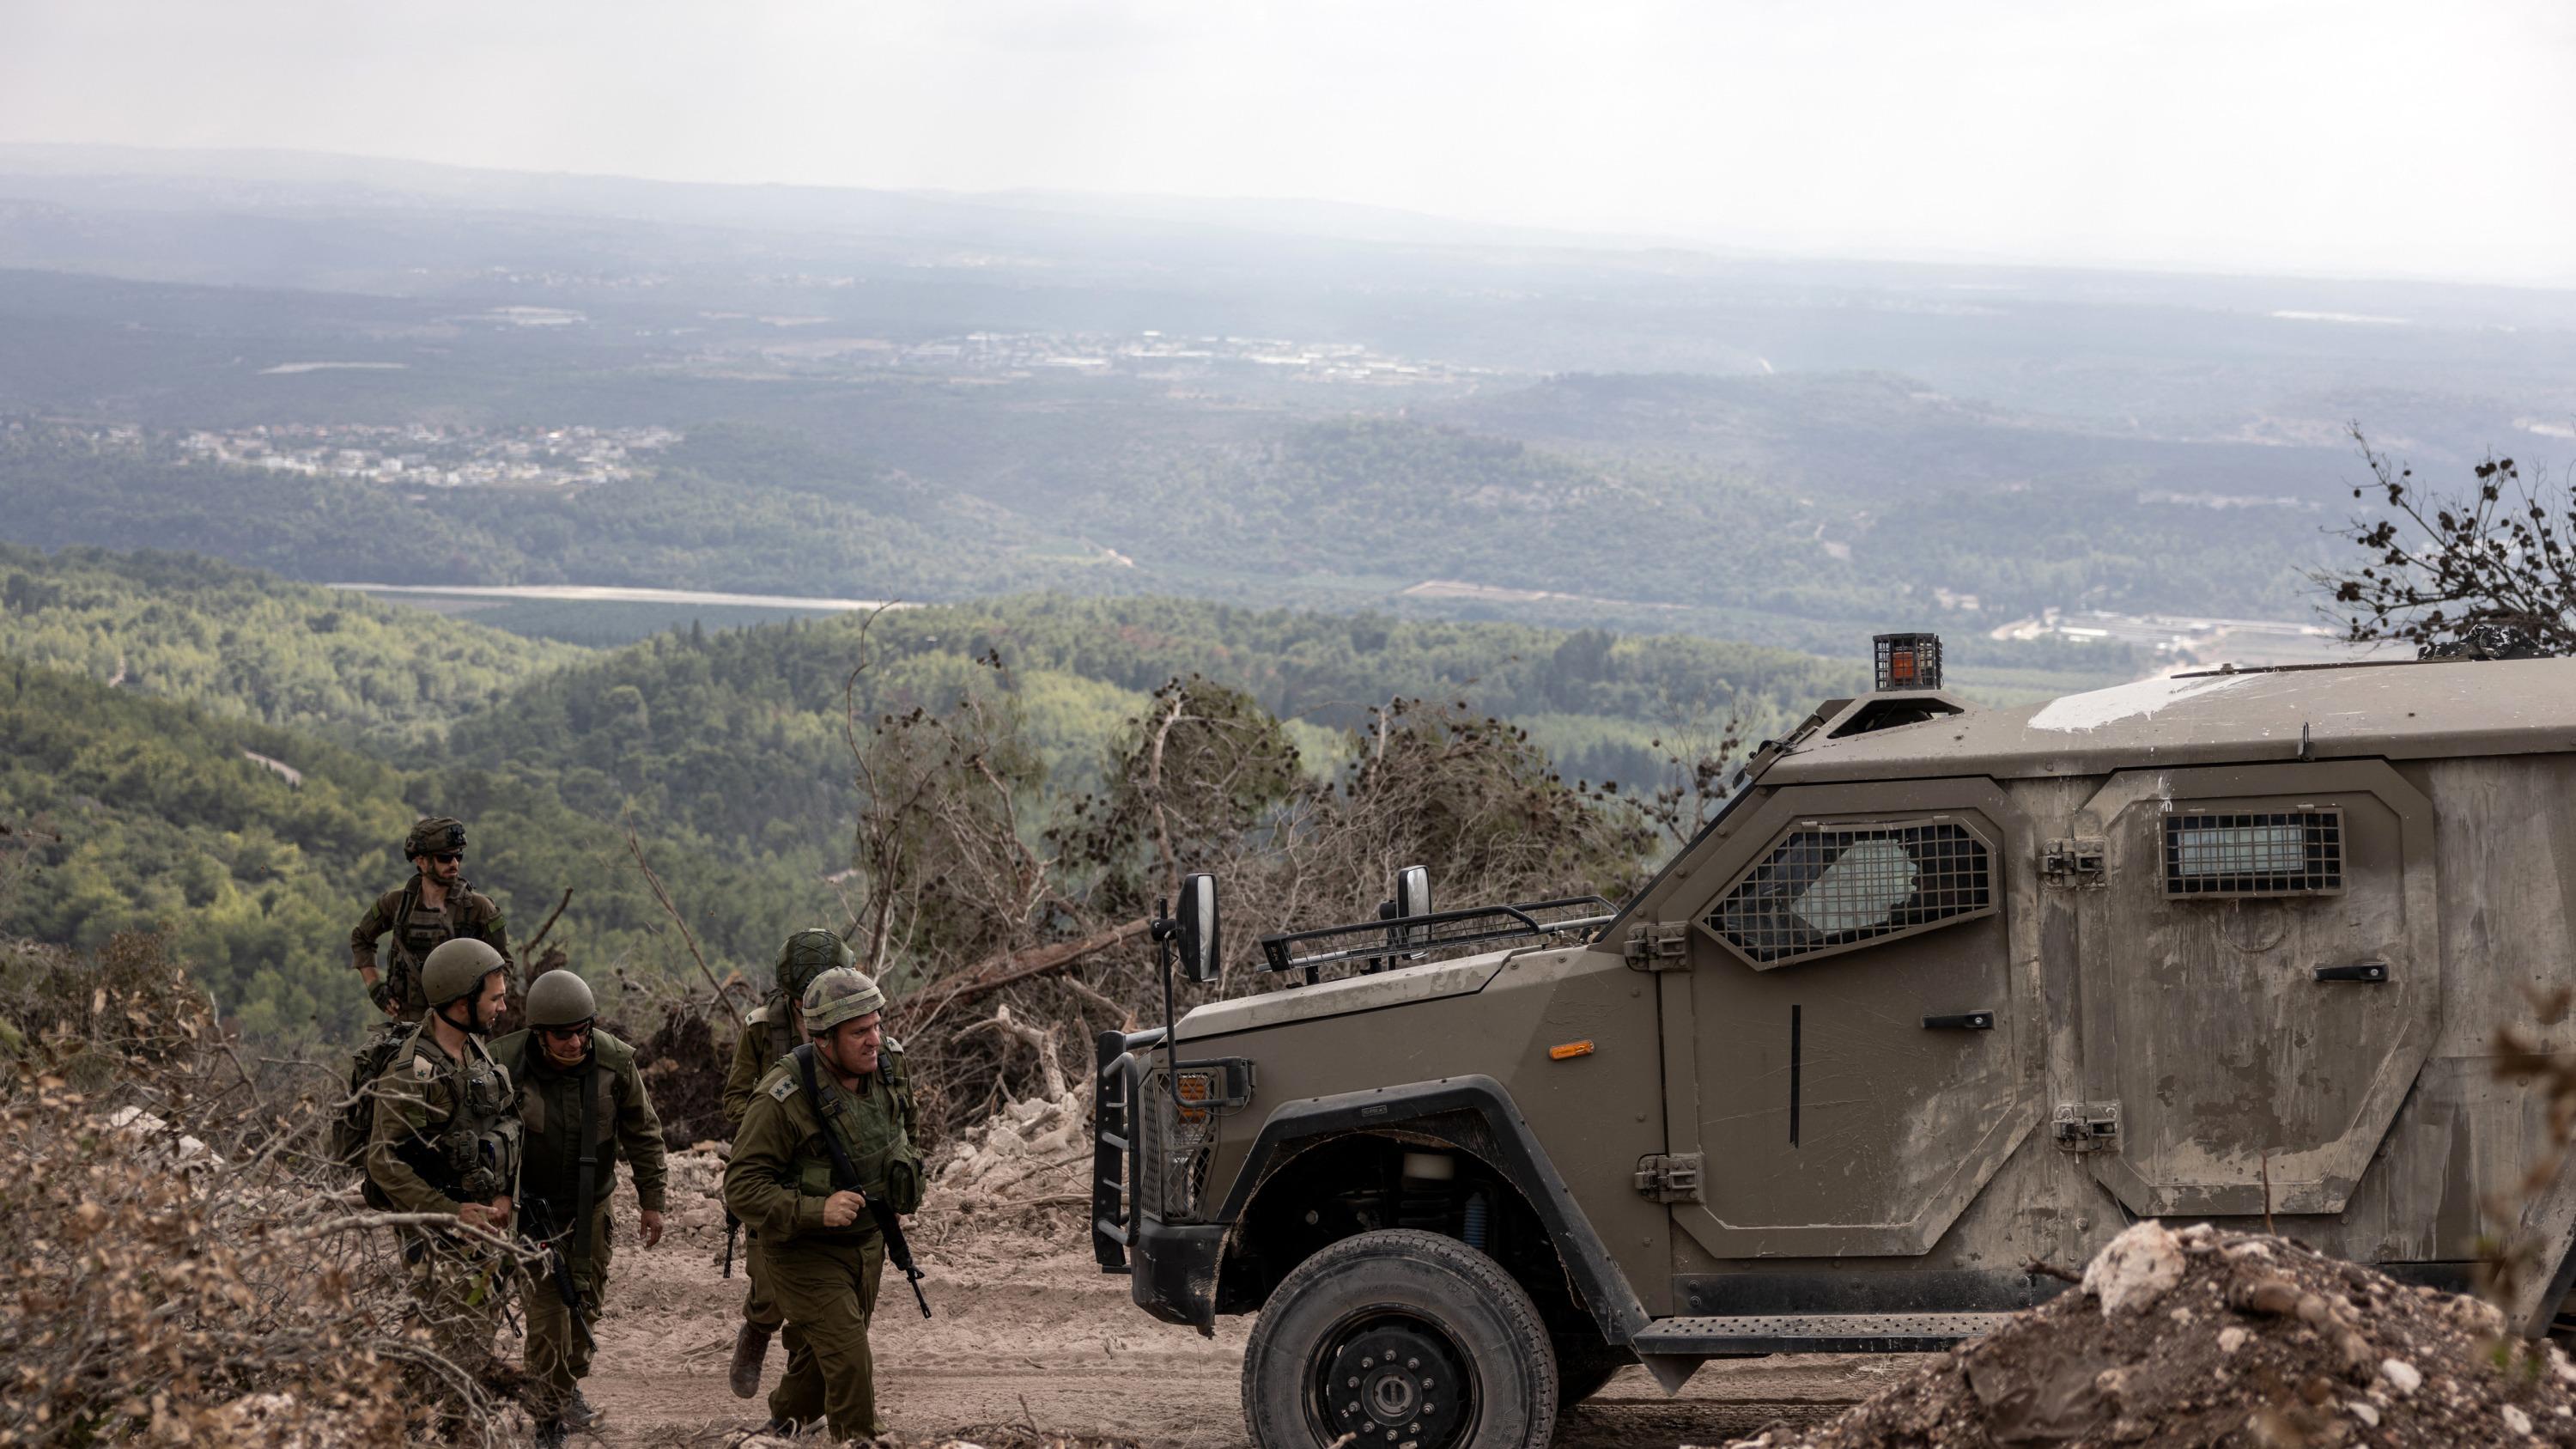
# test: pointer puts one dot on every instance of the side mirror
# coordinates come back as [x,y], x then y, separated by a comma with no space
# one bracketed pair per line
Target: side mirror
[1412,898]
[1198,929]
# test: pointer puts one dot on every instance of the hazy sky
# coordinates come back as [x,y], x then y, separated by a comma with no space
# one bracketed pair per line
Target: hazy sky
[2359,138]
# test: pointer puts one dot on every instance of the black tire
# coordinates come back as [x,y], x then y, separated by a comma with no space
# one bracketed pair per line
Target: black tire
[1451,1312]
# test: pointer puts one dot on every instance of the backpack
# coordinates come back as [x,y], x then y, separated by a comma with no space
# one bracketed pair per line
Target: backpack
[355,1122]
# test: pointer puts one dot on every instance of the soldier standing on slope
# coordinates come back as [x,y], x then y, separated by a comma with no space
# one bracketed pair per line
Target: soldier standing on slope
[817,1222]
[582,1104]
[772,1030]
[445,1140]
[434,906]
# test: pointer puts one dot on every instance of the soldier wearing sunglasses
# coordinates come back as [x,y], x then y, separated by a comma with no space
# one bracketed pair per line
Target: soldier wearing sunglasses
[432,908]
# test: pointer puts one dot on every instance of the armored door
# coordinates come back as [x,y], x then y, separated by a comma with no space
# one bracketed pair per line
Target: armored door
[2260,980]
[1855,1022]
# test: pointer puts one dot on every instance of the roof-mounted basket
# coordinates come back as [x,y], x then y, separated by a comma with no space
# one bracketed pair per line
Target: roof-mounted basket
[1408,937]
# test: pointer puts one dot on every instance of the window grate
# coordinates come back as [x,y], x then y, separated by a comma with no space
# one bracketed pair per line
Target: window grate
[1824,889]
[2254,853]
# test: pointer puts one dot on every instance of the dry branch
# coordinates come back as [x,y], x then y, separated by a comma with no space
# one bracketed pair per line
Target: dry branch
[659,894]
[1018,966]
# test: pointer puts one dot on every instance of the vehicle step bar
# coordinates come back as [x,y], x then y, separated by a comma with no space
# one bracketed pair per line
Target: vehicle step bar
[1811,1333]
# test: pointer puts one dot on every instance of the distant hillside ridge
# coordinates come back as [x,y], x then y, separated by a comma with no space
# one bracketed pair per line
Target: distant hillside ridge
[241,641]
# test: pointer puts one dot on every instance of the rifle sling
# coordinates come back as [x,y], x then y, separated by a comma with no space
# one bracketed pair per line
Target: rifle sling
[843,1170]
[586,1188]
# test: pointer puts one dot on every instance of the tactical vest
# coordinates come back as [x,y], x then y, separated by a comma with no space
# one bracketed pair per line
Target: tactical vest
[473,1156]
[550,1150]
[417,931]
[874,1133]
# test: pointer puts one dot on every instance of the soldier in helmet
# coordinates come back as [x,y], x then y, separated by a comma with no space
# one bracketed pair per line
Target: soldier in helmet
[435,905]
[582,1105]
[825,1145]
[445,1140]
[773,1028]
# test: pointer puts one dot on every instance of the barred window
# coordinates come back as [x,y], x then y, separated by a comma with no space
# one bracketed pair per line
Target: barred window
[1825,888]
[2254,853]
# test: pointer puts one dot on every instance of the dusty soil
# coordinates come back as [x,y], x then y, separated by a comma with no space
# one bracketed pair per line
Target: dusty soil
[1028,1331]
[2177,1340]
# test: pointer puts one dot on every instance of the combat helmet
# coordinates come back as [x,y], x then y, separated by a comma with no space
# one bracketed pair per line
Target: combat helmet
[435,835]
[838,995]
[560,999]
[452,970]
[808,954]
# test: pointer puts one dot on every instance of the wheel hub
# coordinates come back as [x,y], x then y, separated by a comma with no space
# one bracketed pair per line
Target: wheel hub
[1396,1384]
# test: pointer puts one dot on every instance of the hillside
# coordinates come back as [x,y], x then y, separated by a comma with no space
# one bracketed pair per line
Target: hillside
[258,847]
[238,641]
[737,734]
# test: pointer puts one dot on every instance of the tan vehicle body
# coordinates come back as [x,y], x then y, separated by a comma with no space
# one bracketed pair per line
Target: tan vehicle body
[1947,990]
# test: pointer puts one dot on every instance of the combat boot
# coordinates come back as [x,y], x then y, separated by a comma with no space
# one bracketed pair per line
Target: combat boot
[579,1414]
[750,1346]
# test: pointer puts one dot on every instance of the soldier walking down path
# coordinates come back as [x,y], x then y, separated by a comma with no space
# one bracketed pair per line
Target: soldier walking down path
[582,1105]
[434,906]
[445,1140]
[824,1157]
[773,1029]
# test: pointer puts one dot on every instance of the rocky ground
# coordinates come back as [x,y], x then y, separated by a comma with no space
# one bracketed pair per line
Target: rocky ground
[2202,1338]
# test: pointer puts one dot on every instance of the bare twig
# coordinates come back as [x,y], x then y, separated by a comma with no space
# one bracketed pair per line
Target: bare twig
[636,849]
[528,948]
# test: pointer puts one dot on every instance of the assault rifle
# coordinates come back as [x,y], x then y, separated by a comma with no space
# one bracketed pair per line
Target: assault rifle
[542,1230]
[733,1230]
[898,1249]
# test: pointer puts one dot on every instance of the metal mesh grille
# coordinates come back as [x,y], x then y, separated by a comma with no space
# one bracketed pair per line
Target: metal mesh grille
[2258,853]
[1821,889]
[1172,1156]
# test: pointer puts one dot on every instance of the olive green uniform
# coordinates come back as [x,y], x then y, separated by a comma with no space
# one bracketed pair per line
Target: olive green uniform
[446,1133]
[417,930]
[825,1279]
[622,1124]
[766,1036]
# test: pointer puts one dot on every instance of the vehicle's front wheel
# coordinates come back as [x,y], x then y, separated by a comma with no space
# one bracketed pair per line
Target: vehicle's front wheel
[1397,1338]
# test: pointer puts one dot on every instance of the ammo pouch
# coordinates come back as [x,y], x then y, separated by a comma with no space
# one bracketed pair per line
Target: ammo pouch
[903,1181]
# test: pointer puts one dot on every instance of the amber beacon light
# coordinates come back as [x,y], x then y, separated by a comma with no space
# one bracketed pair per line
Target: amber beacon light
[1909,661]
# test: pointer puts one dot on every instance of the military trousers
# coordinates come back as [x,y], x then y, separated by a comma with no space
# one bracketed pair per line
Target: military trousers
[828,1292]
[759,1307]
[456,1293]
[557,1358]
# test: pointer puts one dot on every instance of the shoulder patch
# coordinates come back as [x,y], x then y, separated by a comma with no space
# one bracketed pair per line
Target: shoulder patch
[785,1088]
[421,1070]
[759,1015]
[890,1044]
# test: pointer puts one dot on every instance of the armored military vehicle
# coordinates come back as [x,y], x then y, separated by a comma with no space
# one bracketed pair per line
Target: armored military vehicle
[1943,993]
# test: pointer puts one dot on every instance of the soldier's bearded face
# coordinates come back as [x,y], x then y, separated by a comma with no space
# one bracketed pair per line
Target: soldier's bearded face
[853,1044]
[488,1002]
[444,869]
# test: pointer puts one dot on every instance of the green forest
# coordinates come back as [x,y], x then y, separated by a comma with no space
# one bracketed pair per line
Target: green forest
[233,757]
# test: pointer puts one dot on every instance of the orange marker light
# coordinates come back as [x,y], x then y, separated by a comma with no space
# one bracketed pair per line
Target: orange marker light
[1569,1050]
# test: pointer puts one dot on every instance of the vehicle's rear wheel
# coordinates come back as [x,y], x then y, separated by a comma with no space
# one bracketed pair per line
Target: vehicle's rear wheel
[1400,1337]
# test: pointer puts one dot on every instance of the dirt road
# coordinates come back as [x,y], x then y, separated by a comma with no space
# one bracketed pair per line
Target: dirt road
[1029,1330]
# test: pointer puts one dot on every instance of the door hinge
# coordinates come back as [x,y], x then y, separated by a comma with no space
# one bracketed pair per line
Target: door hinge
[2087,1126]
[1670,1177]
[2072,862]
[1664,946]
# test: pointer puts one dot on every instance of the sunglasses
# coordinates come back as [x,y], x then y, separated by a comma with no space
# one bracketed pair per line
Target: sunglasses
[449,857]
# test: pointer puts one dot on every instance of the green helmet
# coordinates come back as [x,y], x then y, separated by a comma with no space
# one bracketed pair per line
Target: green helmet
[560,998]
[808,954]
[453,970]
[838,995]
[437,835]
